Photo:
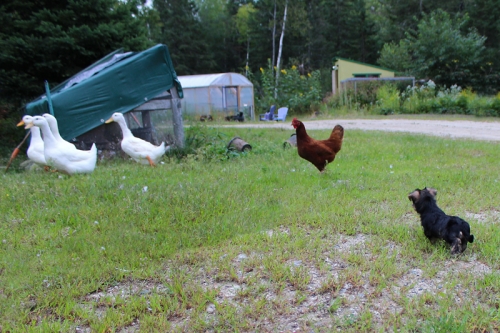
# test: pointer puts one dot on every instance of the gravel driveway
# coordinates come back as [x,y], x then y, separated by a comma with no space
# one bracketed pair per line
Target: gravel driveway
[478,130]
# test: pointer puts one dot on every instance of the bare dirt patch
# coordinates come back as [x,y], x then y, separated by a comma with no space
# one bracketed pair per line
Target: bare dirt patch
[490,216]
[312,295]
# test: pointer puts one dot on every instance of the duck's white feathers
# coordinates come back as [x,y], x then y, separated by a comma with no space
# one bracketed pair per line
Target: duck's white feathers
[36,148]
[54,128]
[140,150]
[62,157]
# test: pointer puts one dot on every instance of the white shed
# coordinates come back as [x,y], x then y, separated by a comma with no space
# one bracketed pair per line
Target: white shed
[221,94]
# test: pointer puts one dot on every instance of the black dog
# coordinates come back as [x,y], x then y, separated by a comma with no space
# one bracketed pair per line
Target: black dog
[437,224]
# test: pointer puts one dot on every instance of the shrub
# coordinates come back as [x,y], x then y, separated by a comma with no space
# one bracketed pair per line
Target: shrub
[300,93]
[206,144]
[388,100]
[495,105]
[426,98]
[10,134]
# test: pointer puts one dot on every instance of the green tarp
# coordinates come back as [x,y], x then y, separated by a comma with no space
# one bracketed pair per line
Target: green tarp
[118,82]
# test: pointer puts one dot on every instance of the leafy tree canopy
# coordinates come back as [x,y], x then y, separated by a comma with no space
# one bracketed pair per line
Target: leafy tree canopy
[439,49]
[53,39]
[181,30]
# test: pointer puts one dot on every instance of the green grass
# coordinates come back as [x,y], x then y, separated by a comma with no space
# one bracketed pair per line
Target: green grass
[257,237]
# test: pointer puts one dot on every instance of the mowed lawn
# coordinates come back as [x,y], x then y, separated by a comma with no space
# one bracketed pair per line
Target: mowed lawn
[254,242]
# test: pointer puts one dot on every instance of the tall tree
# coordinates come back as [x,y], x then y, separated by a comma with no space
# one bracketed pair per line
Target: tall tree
[280,50]
[341,28]
[395,17]
[440,51]
[244,21]
[221,33]
[181,30]
[484,17]
[52,40]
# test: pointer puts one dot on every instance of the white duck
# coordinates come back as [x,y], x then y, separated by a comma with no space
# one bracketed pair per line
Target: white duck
[65,159]
[140,150]
[55,132]
[36,148]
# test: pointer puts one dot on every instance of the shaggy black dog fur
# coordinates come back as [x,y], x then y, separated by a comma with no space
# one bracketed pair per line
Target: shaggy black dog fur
[437,224]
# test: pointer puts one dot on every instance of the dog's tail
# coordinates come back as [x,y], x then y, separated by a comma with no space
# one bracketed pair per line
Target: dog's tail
[471,238]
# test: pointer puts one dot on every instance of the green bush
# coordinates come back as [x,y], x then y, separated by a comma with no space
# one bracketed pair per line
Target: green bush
[300,93]
[204,143]
[10,134]
[495,105]
[388,100]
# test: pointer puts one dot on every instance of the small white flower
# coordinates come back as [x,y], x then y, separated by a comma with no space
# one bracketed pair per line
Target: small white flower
[95,222]
[124,177]
[144,189]
[103,248]
[390,166]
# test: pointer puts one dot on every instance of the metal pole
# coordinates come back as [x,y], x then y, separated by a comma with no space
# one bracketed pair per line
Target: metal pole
[49,99]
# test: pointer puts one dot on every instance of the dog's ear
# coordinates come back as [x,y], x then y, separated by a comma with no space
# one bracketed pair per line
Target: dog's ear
[470,239]
[414,196]
[432,191]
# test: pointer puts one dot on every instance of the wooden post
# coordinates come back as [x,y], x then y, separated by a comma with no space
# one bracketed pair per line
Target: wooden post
[334,83]
[177,118]
[146,119]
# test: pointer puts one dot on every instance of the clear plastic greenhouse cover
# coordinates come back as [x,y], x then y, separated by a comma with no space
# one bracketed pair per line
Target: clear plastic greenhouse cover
[219,95]
[206,80]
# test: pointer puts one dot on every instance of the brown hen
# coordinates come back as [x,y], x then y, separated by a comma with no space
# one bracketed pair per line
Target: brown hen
[318,152]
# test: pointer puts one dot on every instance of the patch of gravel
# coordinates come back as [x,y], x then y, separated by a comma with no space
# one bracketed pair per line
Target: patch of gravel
[313,307]
[491,216]
[477,130]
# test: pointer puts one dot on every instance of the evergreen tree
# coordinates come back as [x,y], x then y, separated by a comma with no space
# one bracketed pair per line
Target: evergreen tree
[341,28]
[395,17]
[52,40]
[484,16]
[181,30]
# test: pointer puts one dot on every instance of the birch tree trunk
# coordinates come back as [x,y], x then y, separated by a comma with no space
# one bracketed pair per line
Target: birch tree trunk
[274,39]
[278,61]
[248,56]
